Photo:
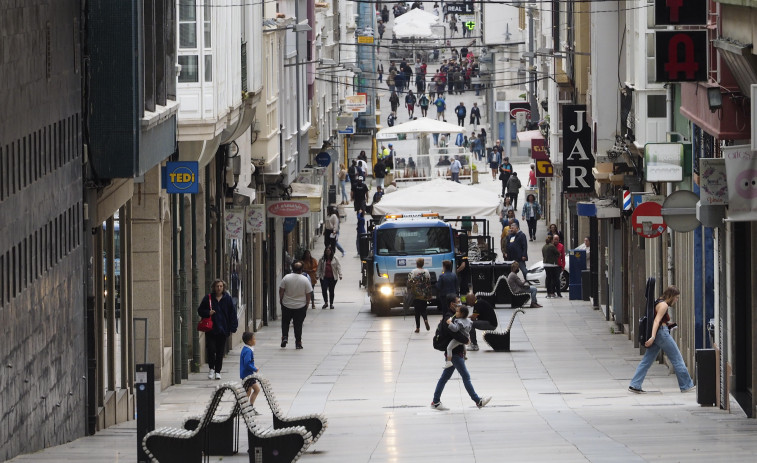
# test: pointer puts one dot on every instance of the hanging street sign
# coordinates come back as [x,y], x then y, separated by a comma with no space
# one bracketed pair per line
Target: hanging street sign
[364,39]
[578,160]
[470,25]
[181,177]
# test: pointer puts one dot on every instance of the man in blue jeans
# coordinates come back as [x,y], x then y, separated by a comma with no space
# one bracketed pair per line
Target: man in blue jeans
[458,363]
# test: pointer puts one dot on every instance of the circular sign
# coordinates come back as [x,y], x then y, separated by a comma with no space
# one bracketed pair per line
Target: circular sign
[680,211]
[288,209]
[514,112]
[647,220]
[323,159]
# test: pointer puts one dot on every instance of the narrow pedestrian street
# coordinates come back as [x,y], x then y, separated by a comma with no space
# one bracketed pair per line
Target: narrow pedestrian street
[560,395]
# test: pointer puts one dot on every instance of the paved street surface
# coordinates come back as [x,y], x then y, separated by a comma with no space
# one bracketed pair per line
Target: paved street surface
[560,395]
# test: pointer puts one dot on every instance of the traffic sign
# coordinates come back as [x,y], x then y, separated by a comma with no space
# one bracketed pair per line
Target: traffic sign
[323,159]
[647,220]
[680,211]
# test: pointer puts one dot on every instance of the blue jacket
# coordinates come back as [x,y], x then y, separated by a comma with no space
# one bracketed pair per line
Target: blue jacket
[246,362]
[446,284]
[517,247]
[225,319]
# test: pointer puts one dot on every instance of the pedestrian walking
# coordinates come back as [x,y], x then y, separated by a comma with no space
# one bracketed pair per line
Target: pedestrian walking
[519,285]
[380,72]
[394,101]
[557,241]
[391,80]
[310,268]
[505,170]
[458,363]
[662,340]
[247,367]
[219,307]
[424,103]
[517,248]
[294,297]
[410,100]
[419,292]
[446,283]
[381,30]
[461,111]
[359,194]
[329,271]
[532,177]
[360,228]
[331,227]
[483,317]
[495,155]
[455,169]
[460,323]
[475,116]
[531,214]
[513,189]
[342,175]
[441,105]
[550,258]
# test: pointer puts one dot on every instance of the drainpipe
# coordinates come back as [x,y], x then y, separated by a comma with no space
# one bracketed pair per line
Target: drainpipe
[183,291]
[176,297]
[208,253]
[195,290]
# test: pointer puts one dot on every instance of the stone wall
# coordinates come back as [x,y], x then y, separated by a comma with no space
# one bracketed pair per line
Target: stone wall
[42,347]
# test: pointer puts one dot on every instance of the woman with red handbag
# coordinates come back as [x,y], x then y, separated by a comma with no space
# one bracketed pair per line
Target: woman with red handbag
[219,307]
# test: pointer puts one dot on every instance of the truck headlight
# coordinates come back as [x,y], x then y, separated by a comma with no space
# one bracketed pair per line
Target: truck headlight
[386,290]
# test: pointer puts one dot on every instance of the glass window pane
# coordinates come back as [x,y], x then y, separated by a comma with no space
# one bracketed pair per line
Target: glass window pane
[187,35]
[208,68]
[208,35]
[187,10]
[189,68]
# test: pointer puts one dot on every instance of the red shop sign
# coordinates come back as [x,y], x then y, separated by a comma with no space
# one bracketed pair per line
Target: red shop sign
[288,209]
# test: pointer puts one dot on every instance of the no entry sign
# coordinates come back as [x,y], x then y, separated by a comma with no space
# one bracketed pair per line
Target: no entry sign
[647,220]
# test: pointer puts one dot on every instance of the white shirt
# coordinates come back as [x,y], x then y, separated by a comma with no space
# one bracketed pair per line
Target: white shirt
[296,288]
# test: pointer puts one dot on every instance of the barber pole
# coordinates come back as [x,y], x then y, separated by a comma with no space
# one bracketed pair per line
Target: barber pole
[626,200]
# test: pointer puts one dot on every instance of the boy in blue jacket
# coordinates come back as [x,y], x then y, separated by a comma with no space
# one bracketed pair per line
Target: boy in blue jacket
[247,366]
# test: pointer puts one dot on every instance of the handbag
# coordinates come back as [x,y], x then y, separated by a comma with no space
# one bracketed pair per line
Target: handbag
[205,325]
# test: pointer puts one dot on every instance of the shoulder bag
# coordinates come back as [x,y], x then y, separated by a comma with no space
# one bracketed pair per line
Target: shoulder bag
[205,325]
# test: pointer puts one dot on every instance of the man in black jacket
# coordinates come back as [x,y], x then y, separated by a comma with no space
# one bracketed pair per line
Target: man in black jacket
[458,363]
[517,248]
[483,316]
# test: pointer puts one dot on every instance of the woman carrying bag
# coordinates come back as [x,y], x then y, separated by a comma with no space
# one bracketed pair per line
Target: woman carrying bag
[219,307]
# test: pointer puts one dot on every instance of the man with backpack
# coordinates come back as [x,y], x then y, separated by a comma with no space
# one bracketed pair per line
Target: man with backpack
[461,111]
[441,339]
[419,292]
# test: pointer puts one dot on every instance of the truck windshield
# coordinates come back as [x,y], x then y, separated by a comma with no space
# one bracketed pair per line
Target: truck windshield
[413,241]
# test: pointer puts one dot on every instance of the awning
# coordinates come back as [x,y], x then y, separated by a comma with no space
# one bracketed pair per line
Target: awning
[600,208]
[309,191]
[524,138]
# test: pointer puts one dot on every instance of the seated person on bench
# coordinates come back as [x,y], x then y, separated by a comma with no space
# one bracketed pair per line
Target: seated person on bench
[483,317]
[517,285]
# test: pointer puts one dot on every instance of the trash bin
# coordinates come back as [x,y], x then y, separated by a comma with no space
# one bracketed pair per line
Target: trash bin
[577,265]
[500,269]
[481,276]
[586,284]
[706,376]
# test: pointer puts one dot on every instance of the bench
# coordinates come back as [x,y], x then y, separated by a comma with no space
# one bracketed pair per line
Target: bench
[503,294]
[315,423]
[222,432]
[284,445]
[182,445]
[500,342]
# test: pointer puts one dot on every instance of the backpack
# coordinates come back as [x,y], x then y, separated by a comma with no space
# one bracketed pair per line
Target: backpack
[419,286]
[442,336]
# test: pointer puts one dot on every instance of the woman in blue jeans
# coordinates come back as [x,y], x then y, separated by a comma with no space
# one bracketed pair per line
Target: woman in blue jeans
[458,363]
[661,339]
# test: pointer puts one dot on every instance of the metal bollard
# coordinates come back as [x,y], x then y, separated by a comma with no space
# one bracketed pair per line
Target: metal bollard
[145,385]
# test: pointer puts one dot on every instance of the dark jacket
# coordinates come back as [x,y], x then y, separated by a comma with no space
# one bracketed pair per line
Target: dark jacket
[456,335]
[485,312]
[446,284]
[517,247]
[225,319]
[550,254]
[379,170]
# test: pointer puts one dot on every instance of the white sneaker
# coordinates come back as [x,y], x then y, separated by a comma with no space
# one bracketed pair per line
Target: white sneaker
[438,406]
[218,375]
[482,403]
[211,374]
[447,364]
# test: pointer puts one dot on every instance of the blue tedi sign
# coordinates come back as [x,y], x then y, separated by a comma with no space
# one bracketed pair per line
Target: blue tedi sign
[181,177]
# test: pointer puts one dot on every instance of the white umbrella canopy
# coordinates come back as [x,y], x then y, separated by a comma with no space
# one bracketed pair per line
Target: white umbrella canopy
[449,199]
[416,17]
[409,30]
[421,125]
